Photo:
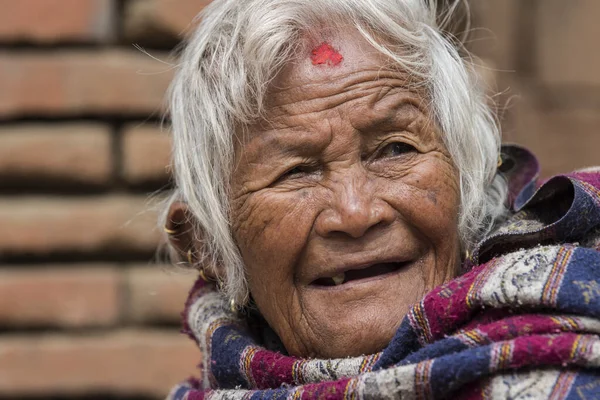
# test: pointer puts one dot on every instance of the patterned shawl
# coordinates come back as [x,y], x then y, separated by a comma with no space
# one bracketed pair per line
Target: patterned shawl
[521,322]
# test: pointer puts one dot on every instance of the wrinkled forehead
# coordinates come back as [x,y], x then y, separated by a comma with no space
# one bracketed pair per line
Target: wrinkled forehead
[325,62]
[332,70]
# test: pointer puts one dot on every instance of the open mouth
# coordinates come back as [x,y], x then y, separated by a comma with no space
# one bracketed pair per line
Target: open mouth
[373,271]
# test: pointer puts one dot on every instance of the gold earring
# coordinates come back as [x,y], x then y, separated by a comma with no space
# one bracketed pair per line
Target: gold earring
[190,261]
[233,306]
[499,162]
[202,275]
[169,231]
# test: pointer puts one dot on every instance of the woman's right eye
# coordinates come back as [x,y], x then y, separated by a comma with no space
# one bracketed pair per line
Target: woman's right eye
[297,172]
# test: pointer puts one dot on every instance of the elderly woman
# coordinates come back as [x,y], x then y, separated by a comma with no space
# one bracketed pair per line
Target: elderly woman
[358,230]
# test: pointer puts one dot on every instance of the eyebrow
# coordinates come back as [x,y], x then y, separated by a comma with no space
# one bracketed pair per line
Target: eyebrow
[393,117]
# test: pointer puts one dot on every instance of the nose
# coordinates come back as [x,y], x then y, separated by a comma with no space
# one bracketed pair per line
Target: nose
[355,208]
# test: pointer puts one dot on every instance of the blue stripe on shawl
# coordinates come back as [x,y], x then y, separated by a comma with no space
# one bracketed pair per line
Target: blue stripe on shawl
[585,386]
[271,394]
[455,370]
[580,289]
[583,215]
[227,347]
[405,341]
[436,349]
[180,393]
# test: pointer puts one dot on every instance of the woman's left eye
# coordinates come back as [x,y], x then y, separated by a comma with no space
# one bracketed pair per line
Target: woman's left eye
[396,149]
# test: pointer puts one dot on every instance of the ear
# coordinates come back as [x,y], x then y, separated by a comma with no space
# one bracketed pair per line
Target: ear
[184,237]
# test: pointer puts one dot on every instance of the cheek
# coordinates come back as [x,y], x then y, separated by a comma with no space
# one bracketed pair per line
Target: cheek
[271,230]
[428,198]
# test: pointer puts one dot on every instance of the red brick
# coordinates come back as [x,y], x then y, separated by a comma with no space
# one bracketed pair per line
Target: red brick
[56,20]
[157,293]
[562,139]
[87,82]
[36,225]
[81,295]
[73,152]
[146,154]
[122,363]
[567,42]
[153,19]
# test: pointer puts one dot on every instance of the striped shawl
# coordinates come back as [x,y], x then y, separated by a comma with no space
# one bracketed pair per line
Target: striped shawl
[522,322]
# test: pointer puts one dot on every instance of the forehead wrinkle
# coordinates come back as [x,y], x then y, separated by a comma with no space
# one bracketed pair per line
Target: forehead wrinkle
[305,107]
[321,88]
[384,111]
[394,109]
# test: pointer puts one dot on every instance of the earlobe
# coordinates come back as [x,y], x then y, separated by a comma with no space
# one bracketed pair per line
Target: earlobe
[184,238]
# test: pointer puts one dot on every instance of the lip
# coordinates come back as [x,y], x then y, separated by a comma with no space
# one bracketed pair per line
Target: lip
[360,265]
[357,282]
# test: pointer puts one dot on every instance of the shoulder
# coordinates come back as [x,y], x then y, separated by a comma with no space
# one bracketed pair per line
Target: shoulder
[562,209]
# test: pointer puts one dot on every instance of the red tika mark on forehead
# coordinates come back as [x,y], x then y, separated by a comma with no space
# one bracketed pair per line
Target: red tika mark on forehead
[325,54]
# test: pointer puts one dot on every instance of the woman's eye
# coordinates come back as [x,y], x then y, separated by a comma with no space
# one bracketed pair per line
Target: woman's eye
[396,149]
[296,172]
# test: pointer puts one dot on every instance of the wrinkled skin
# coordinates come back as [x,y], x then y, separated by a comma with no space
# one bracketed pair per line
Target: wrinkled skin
[346,170]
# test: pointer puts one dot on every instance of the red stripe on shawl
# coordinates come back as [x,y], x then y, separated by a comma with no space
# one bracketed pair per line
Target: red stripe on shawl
[445,307]
[333,390]
[541,350]
[563,385]
[554,282]
[197,394]
[270,369]
[592,178]
[529,324]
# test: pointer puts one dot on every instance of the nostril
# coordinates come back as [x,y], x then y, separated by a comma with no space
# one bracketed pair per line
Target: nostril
[349,229]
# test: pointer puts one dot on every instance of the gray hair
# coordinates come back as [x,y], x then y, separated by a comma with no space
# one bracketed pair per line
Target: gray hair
[238,48]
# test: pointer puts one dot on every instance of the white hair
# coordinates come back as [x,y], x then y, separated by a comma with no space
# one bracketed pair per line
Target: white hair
[240,45]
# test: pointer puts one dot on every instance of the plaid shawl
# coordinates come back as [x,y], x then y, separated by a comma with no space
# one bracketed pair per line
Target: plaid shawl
[521,322]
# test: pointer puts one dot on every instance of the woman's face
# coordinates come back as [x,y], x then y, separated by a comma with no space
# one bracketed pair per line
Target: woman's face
[344,204]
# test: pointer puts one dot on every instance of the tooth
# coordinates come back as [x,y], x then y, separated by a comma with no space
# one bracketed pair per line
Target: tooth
[339,279]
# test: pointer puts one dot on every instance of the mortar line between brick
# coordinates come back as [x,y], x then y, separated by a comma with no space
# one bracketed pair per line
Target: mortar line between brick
[119,26]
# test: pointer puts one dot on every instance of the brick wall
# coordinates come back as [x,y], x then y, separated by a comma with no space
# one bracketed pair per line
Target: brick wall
[85,310]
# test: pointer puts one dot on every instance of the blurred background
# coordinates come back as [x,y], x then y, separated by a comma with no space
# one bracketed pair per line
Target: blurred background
[86,310]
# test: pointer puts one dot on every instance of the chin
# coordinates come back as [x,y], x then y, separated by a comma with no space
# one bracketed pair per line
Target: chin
[365,330]
[361,318]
